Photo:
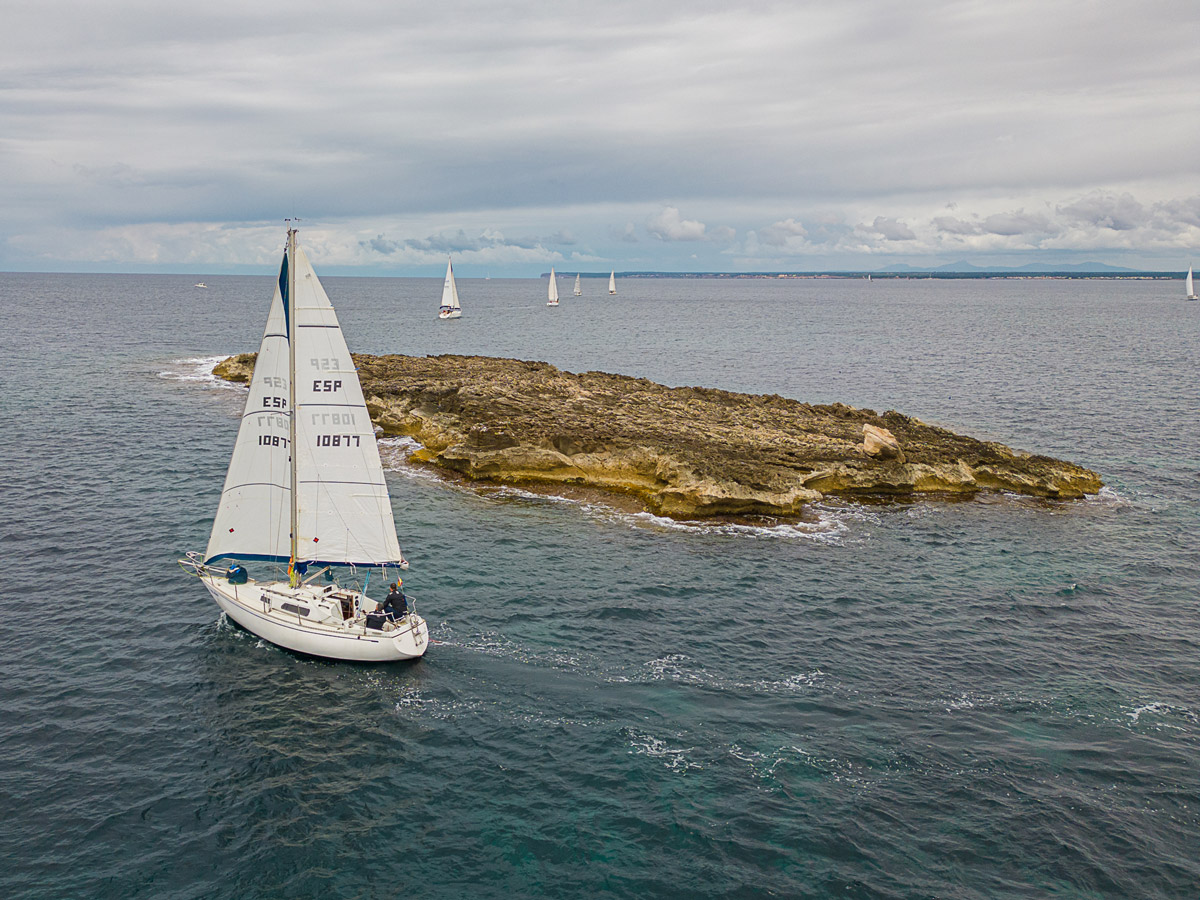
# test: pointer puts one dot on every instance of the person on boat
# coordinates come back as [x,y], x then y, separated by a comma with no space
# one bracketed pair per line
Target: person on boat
[396,604]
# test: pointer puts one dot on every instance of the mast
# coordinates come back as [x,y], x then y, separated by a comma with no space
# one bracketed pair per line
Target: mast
[289,307]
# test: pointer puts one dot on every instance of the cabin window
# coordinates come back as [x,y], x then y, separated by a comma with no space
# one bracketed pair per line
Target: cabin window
[293,608]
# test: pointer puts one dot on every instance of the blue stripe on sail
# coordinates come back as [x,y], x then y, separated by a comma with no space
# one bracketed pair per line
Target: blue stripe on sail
[248,557]
[298,325]
[283,290]
[266,557]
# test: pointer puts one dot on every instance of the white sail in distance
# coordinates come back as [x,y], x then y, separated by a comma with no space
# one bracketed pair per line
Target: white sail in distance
[450,289]
[578,289]
[552,291]
[612,282]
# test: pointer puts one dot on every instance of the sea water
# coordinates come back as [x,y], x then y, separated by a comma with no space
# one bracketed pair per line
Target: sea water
[986,699]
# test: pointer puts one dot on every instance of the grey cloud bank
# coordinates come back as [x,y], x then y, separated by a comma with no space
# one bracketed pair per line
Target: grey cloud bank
[672,136]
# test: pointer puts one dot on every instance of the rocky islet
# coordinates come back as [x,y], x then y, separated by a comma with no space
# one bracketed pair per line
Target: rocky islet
[684,452]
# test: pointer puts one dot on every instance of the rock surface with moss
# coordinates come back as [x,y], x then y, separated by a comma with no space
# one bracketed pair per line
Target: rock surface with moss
[684,452]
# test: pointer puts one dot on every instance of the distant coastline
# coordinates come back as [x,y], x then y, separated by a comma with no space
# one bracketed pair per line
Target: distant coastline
[912,275]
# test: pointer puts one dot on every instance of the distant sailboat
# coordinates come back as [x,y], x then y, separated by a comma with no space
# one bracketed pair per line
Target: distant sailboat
[1191,289]
[612,282]
[553,292]
[200,284]
[450,308]
[578,290]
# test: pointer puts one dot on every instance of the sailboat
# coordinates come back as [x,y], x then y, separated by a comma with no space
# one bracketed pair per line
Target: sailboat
[553,293]
[328,512]
[578,290]
[612,282]
[1191,290]
[450,308]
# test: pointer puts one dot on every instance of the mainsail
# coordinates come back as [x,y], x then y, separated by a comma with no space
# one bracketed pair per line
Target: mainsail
[612,282]
[343,512]
[552,291]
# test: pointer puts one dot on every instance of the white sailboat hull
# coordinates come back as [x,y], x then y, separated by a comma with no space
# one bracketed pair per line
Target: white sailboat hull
[447,312]
[257,608]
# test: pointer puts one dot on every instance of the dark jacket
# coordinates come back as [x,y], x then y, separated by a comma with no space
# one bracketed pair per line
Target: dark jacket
[396,603]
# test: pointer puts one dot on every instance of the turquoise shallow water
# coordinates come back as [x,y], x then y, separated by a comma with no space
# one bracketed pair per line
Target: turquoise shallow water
[983,699]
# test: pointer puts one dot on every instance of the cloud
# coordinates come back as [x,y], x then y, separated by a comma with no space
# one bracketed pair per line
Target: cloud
[891,229]
[1182,212]
[667,225]
[488,245]
[778,234]
[626,235]
[951,225]
[381,245]
[123,119]
[1117,212]
[460,241]
[562,236]
[1014,223]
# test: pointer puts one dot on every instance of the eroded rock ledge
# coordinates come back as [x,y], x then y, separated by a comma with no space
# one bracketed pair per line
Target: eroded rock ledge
[685,452]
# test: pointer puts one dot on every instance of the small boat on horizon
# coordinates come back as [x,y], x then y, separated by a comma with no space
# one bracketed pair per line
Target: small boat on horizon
[200,284]
[612,282]
[1191,289]
[578,290]
[450,308]
[553,290]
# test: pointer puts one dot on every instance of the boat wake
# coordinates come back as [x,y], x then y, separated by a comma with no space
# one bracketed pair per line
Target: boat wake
[1159,715]
[674,758]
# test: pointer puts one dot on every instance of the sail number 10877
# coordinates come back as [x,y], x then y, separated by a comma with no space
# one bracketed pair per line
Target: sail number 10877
[339,440]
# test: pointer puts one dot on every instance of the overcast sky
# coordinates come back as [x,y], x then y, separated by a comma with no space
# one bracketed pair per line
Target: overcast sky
[144,135]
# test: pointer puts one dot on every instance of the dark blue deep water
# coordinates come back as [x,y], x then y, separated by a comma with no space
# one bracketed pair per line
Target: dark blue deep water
[985,699]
